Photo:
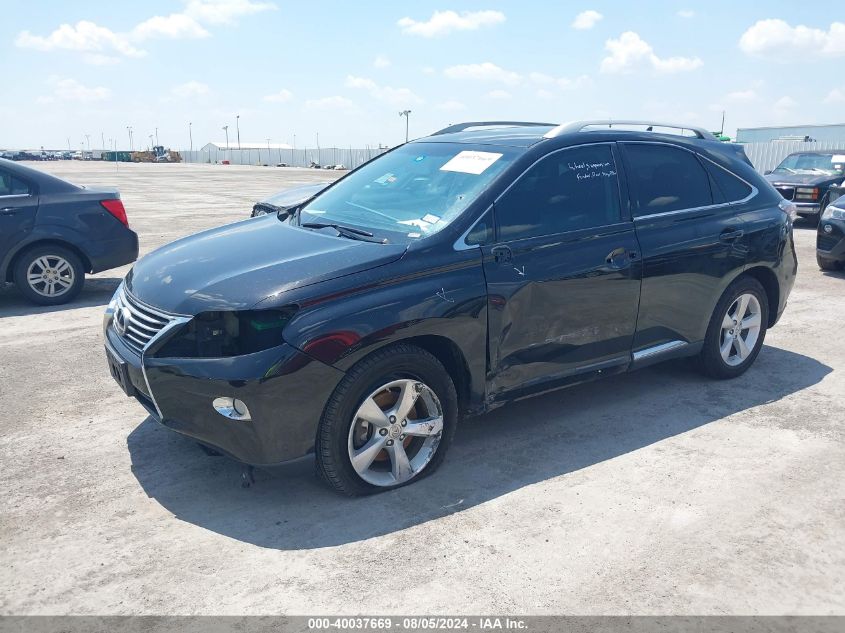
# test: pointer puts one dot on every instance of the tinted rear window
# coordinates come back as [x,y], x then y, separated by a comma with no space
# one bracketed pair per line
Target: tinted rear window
[732,188]
[666,178]
[11,186]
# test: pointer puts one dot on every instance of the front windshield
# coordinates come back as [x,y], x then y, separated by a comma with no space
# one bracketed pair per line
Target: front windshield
[411,192]
[813,163]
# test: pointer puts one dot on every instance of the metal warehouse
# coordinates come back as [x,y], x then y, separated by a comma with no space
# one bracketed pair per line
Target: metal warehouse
[830,133]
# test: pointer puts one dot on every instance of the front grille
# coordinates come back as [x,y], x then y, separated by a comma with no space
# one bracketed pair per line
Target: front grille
[787,192]
[136,323]
[826,242]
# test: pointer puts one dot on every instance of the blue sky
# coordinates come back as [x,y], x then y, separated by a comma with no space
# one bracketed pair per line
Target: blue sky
[345,69]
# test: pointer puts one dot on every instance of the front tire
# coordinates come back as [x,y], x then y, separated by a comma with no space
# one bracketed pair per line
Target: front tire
[389,422]
[736,330]
[829,265]
[49,275]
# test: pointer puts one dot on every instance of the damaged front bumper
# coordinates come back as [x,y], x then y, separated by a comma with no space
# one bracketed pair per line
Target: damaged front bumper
[284,389]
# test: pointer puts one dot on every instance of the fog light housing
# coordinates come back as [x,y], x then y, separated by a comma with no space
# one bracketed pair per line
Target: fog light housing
[232,408]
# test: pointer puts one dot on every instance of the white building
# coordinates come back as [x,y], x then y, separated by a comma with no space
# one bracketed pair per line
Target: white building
[233,145]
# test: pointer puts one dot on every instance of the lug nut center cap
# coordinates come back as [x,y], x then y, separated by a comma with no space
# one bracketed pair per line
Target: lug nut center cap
[394,431]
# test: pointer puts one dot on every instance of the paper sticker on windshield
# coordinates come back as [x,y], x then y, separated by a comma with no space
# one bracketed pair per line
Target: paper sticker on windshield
[469,162]
[838,158]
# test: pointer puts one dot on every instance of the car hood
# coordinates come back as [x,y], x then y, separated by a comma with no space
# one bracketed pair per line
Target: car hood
[801,179]
[238,265]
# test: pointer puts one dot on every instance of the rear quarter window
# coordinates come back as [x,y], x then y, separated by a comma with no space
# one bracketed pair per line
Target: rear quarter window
[730,186]
[12,186]
[666,178]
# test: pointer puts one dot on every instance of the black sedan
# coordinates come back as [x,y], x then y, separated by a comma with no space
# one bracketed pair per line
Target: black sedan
[53,232]
[288,199]
[806,177]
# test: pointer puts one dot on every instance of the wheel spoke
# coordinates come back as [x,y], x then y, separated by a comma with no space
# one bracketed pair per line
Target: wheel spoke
[727,322]
[751,321]
[63,266]
[372,413]
[63,282]
[43,263]
[725,349]
[741,348]
[34,278]
[407,399]
[364,456]
[425,427]
[401,467]
[50,288]
[742,307]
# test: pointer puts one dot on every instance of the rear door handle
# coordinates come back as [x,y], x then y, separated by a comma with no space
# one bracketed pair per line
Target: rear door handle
[8,211]
[730,235]
[502,254]
[621,258]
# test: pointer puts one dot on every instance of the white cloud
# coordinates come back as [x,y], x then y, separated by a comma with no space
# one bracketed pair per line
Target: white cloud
[445,22]
[381,62]
[835,96]
[428,70]
[741,96]
[776,38]
[190,89]
[542,93]
[784,103]
[630,51]
[499,94]
[101,44]
[451,106]
[686,14]
[330,103]
[393,96]
[71,90]
[224,11]
[486,71]
[83,36]
[174,26]
[283,96]
[96,59]
[586,20]
[542,79]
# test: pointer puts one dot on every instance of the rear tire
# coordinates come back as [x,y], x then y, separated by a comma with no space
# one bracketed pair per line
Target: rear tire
[729,348]
[49,275]
[369,388]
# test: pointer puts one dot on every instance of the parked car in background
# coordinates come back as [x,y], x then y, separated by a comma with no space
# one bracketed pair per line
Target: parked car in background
[830,235]
[287,199]
[805,177]
[53,232]
[448,276]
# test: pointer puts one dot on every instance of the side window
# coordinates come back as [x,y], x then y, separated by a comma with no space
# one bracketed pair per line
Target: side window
[569,190]
[11,186]
[666,178]
[729,185]
[482,232]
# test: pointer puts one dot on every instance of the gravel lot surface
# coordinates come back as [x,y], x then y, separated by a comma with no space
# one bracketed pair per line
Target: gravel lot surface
[658,492]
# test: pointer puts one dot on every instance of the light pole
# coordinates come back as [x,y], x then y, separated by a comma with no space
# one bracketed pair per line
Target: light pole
[102,140]
[190,136]
[88,141]
[226,129]
[406,114]
[151,141]
[129,130]
[238,129]
[156,136]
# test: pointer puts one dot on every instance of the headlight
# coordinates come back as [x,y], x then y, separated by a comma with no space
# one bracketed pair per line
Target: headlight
[222,334]
[806,193]
[833,213]
[110,308]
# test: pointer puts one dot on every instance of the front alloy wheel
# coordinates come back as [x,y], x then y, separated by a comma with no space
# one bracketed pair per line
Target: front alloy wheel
[740,329]
[395,432]
[389,421]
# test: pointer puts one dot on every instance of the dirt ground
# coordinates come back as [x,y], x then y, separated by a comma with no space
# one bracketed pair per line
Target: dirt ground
[657,492]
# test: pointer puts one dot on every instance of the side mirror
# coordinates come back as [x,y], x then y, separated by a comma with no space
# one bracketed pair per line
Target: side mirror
[767,172]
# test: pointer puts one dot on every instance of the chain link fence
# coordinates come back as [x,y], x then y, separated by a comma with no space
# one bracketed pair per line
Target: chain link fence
[348,157]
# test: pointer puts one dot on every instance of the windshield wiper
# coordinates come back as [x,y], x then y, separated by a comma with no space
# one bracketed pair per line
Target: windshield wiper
[345,231]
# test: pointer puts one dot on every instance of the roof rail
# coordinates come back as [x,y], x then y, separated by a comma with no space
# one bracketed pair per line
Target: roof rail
[460,127]
[578,126]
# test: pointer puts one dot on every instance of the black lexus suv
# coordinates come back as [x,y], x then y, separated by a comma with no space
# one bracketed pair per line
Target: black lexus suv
[453,274]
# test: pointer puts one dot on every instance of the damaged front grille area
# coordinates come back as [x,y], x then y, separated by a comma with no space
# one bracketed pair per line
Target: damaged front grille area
[135,323]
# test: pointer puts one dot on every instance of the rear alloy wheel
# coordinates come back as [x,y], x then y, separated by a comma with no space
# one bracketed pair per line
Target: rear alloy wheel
[49,275]
[388,422]
[736,330]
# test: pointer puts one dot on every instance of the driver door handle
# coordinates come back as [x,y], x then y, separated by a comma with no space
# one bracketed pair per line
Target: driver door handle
[730,235]
[8,211]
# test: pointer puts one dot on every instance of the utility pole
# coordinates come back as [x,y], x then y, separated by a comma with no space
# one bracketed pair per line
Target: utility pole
[151,141]
[238,129]
[190,136]
[722,131]
[226,129]
[102,140]
[68,144]
[406,114]
[156,136]
[129,130]
[88,141]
